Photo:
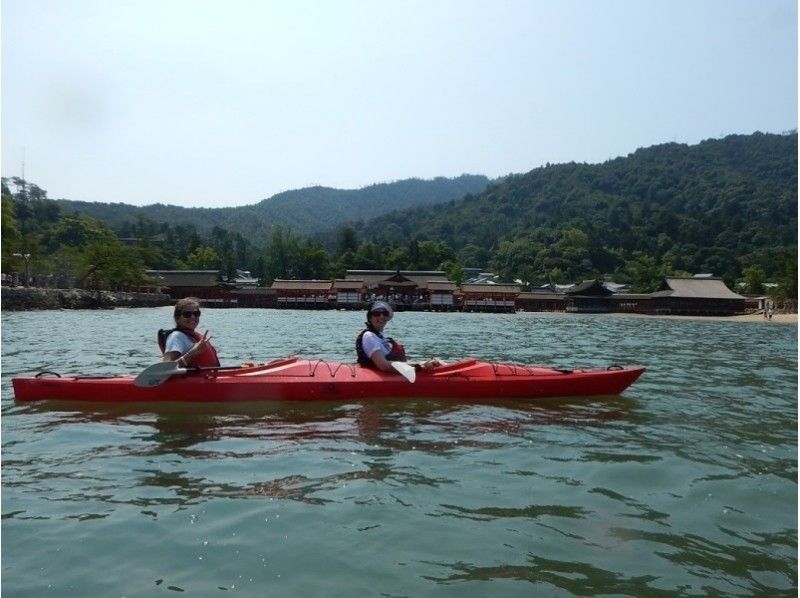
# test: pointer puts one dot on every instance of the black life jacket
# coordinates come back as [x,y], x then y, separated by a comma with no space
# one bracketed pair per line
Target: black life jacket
[397,352]
[207,358]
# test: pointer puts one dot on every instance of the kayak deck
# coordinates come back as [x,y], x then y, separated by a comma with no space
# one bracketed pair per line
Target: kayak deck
[296,379]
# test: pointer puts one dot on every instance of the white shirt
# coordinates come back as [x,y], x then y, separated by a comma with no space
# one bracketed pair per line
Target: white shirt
[178,342]
[371,342]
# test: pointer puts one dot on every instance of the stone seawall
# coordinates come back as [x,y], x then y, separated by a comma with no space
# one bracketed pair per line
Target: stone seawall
[25,298]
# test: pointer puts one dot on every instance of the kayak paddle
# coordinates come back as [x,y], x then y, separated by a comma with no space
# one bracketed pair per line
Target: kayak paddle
[406,371]
[157,373]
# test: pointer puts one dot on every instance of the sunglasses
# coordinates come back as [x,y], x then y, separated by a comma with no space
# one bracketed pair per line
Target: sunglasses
[380,312]
[189,314]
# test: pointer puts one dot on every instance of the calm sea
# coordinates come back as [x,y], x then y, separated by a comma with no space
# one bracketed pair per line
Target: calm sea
[684,486]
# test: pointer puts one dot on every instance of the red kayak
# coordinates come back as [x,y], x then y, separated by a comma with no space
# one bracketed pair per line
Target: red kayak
[295,379]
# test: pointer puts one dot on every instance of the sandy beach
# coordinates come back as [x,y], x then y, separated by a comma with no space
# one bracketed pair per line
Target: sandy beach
[757,317]
[777,319]
[754,317]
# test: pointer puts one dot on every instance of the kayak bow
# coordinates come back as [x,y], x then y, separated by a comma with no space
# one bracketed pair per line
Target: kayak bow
[295,379]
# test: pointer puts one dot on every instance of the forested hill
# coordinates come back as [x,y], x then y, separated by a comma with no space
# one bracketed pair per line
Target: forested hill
[724,206]
[720,206]
[305,212]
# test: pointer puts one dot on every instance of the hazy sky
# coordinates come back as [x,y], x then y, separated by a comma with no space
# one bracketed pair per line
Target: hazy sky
[226,102]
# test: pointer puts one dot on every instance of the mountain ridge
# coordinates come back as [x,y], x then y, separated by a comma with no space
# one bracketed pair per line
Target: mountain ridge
[726,206]
[307,211]
[720,205]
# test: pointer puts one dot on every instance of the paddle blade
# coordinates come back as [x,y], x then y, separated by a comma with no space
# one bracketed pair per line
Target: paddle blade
[157,373]
[406,371]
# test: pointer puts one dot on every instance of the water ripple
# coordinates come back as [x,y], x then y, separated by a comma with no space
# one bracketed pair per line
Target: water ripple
[685,486]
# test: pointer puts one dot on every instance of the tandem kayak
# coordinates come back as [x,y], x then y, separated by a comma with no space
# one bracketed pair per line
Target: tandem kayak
[296,379]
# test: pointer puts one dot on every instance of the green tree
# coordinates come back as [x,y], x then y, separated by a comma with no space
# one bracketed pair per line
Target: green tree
[312,262]
[518,259]
[555,276]
[754,280]
[204,258]
[348,240]
[454,270]
[398,258]
[644,273]
[346,261]
[77,230]
[282,255]
[10,228]
[473,256]
[369,256]
[787,278]
[108,265]
[431,255]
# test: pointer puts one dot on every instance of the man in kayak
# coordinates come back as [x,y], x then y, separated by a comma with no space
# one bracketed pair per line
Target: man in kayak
[183,343]
[376,351]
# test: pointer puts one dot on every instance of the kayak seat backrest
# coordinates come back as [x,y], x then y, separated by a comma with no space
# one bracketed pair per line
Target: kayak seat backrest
[161,338]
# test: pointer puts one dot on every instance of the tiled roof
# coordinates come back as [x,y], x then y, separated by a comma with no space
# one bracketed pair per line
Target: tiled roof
[438,285]
[498,289]
[589,287]
[185,278]
[695,288]
[348,284]
[305,285]
[372,278]
[541,296]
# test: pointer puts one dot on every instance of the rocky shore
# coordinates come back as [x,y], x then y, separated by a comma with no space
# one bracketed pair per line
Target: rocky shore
[29,298]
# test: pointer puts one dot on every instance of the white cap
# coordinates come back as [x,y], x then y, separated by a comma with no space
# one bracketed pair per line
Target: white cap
[378,305]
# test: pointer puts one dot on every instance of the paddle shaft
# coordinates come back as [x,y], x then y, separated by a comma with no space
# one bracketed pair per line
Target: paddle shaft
[163,370]
[211,367]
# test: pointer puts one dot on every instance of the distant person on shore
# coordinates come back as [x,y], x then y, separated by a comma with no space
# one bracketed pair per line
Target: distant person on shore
[376,351]
[183,343]
[769,309]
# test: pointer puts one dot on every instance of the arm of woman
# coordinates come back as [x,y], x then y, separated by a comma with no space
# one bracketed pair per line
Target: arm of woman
[381,362]
[374,347]
[186,359]
[172,356]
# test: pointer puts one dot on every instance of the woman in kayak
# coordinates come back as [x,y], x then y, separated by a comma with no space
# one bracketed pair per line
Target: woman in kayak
[376,351]
[183,343]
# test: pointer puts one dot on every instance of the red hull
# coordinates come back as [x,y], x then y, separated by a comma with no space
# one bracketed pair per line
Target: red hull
[296,379]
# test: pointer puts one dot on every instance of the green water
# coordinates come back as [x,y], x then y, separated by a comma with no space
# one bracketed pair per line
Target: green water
[685,486]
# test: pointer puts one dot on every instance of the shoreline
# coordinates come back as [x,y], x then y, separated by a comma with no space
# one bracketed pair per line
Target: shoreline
[42,299]
[754,317]
[783,319]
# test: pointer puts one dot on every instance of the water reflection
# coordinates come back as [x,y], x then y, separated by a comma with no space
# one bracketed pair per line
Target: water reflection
[690,551]
[177,427]
[529,512]
[689,488]
[177,438]
[576,578]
